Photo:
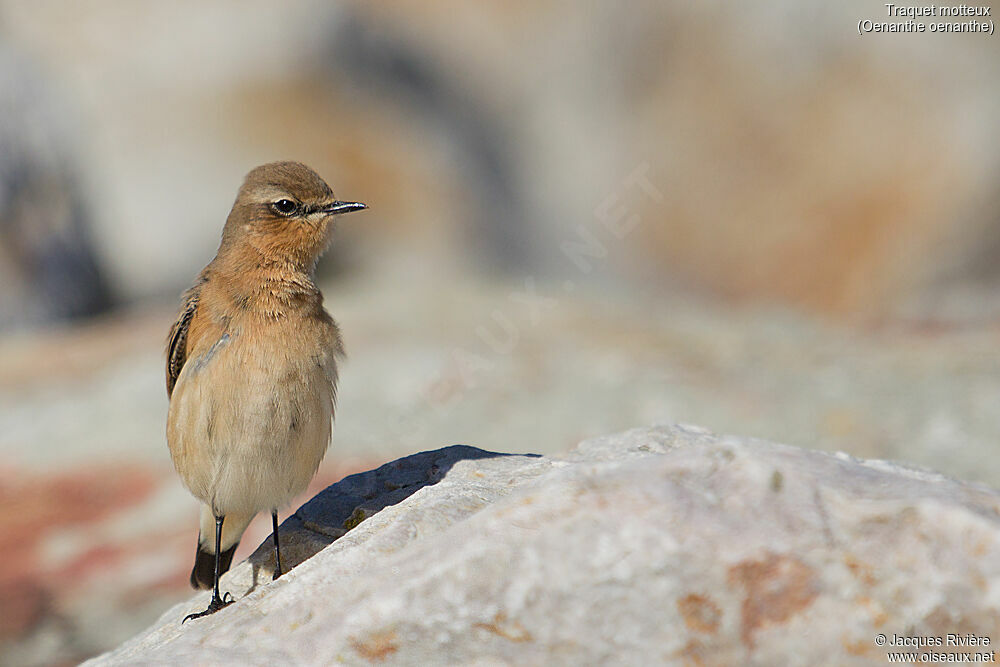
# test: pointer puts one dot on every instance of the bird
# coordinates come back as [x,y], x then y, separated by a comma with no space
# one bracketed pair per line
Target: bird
[251,365]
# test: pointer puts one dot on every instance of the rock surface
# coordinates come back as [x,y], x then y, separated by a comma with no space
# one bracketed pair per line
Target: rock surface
[664,544]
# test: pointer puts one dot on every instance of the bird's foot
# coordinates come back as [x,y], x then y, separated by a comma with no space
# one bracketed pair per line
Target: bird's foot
[277,573]
[215,605]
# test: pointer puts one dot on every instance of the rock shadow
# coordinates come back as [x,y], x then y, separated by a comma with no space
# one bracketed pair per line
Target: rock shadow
[338,508]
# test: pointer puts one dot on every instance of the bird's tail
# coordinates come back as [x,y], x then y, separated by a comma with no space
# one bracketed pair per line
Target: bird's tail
[203,573]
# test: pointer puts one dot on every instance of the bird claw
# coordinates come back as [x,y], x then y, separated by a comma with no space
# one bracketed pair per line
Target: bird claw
[215,605]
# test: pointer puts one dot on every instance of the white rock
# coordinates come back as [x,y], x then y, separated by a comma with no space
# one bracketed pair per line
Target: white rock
[658,545]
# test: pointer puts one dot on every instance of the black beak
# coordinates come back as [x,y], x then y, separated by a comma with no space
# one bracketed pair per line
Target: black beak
[338,207]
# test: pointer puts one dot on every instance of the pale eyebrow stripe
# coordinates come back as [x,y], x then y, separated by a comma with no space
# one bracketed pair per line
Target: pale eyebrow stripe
[275,191]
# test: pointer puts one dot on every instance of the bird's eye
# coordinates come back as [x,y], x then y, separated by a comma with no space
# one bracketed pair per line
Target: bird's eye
[285,206]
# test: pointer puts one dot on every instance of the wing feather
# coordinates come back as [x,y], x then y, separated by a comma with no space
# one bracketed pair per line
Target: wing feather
[177,339]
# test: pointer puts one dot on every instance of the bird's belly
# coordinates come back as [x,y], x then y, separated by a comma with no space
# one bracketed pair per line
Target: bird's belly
[246,436]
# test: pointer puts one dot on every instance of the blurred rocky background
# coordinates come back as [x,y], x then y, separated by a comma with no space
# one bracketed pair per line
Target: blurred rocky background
[584,216]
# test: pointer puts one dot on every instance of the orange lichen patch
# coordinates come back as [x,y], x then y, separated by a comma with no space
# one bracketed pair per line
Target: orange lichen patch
[507,628]
[699,613]
[377,646]
[879,617]
[777,587]
[979,548]
[860,570]
[946,618]
[692,655]
[863,646]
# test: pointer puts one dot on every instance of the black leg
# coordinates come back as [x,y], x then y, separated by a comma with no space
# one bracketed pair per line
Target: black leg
[217,602]
[277,549]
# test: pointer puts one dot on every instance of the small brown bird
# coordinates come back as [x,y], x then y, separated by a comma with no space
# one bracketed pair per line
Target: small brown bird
[251,364]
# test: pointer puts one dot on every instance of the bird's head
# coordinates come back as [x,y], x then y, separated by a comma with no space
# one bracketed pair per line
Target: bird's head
[284,210]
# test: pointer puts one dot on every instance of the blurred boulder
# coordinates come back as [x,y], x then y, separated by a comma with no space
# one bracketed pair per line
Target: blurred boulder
[664,542]
[798,162]
[790,159]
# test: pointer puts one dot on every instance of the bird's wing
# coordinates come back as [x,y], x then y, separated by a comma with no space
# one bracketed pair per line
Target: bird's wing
[177,340]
